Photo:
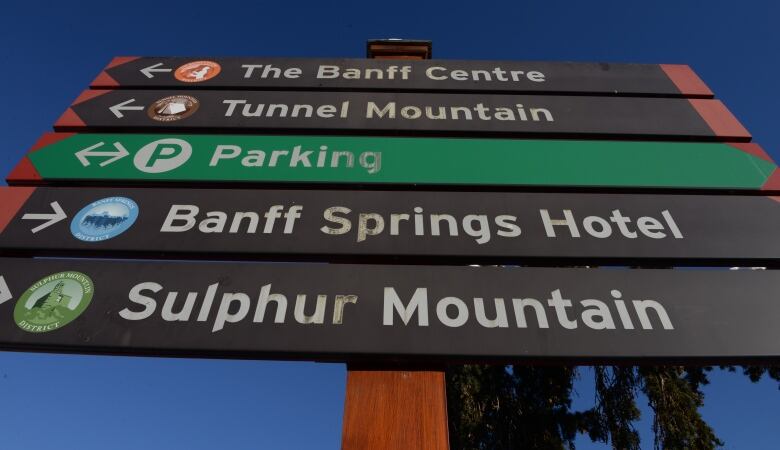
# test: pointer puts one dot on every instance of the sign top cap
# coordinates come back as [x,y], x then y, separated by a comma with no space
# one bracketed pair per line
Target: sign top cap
[395,48]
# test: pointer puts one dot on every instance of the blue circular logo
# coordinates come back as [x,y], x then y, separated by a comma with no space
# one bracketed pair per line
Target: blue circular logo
[104,219]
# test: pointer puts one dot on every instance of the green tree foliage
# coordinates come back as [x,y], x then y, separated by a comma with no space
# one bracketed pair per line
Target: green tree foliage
[529,407]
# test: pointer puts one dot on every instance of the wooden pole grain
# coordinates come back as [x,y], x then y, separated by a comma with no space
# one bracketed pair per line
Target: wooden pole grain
[395,409]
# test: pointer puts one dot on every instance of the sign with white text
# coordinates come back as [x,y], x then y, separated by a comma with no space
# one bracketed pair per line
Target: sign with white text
[403,113]
[670,80]
[351,312]
[468,227]
[199,158]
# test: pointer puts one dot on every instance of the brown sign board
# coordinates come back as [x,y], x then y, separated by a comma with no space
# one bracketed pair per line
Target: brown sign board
[352,312]
[403,113]
[412,226]
[519,77]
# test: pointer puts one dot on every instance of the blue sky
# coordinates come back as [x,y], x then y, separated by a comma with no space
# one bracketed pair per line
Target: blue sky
[50,51]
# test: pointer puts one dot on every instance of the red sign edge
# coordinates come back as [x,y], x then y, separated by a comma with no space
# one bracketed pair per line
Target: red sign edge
[104,80]
[687,81]
[11,201]
[720,120]
[752,149]
[772,183]
[69,118]
[25,171]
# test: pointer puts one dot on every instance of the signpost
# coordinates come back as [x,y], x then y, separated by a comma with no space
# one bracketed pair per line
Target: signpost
[408,226]
[198,159]
[650,204]
[349,312]
[374,112]
[374,74]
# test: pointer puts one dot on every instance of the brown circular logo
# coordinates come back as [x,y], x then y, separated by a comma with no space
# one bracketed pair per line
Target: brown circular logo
[175,107]
[197,71]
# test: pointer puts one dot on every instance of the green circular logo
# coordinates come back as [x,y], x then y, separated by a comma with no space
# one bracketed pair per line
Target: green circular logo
[53,302]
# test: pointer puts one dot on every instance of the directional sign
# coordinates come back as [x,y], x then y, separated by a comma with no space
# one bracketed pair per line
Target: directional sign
[198,159]
[347,312]
[468,227]
[376,74]
[375,112]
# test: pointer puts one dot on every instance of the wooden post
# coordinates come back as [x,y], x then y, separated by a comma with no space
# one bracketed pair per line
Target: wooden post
[395,408]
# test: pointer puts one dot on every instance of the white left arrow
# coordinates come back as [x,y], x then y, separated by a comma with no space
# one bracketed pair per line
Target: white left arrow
[5,293]
[119,153]
[148,71]
[50,219]
[118,108]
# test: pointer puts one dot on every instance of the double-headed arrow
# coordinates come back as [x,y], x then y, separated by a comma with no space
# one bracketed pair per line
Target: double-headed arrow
[83,155]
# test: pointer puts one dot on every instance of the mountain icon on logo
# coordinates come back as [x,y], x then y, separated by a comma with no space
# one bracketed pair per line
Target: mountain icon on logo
[50,308]
[172,108]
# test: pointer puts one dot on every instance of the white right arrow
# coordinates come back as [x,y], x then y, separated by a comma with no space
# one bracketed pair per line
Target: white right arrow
[50,219]
[5,293]
[83,155]
[117,109]
[154,68]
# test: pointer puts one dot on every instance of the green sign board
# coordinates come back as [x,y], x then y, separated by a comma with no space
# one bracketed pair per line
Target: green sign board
[394,160]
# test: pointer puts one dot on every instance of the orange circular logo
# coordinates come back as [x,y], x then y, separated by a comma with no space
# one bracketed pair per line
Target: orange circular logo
[197,71]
